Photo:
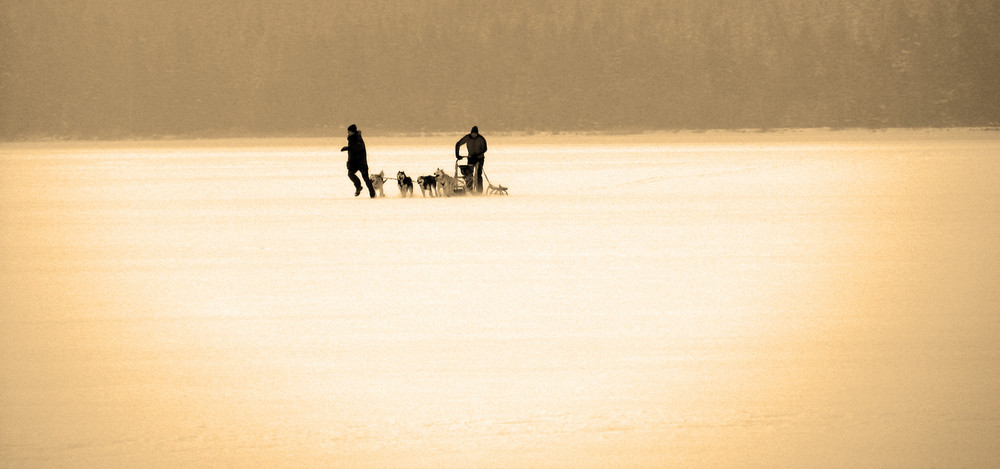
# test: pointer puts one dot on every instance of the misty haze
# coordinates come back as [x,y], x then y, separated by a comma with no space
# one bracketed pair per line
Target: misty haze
[122,68]
[738,234]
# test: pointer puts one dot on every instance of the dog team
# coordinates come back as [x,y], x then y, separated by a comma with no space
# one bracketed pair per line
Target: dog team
[429,186]
[434,185]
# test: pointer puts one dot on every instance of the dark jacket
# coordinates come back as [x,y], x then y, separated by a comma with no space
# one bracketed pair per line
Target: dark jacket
[476,145]
[357,156]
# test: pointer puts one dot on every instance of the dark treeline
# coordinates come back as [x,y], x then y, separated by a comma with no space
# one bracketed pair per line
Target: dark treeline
[134,68]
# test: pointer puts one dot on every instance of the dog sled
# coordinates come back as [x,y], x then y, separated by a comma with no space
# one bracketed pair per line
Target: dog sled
[465,174]
[461,182]
[465,177]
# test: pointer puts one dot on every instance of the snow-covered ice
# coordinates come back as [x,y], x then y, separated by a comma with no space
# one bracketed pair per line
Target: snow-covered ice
[789,299]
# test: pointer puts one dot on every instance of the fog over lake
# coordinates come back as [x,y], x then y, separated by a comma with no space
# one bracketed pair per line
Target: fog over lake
[720,299]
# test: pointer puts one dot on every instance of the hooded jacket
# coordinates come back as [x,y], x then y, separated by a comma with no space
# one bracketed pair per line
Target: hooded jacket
[357,156]
[476,145]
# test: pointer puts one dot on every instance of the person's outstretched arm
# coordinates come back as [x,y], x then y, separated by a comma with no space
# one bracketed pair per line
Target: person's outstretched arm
[459,145]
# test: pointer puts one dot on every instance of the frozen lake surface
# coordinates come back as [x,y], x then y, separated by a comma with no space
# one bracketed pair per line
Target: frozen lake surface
[794,299]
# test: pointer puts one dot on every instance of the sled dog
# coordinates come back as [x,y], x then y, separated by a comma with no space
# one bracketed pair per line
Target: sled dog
[445,183]
[378,180]
[405,184]
[428,185]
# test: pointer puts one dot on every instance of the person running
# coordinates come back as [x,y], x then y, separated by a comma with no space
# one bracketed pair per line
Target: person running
[357,160]
[476,145]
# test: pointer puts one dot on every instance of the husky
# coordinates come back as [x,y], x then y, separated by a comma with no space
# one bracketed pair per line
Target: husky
[378,180]
[405,184]
[428,185]
[445,183]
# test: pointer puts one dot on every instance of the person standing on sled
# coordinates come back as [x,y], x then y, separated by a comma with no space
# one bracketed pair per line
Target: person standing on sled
[476,144]
[357,160]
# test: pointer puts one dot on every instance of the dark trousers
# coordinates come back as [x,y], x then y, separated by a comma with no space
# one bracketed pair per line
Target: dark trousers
[477,164]
[364,175]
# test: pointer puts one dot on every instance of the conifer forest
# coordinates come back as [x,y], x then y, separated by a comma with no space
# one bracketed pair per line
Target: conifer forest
[139,68]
